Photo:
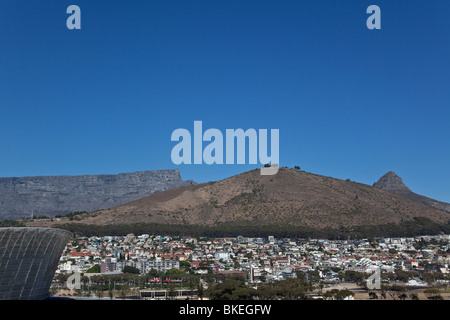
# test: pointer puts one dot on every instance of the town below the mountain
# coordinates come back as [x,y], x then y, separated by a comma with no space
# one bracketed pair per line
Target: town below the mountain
[170,267]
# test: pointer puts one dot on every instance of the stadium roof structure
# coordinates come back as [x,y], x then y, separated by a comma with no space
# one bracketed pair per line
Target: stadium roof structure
[28,261]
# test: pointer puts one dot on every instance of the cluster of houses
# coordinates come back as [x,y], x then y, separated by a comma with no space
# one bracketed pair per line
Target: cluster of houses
[259,259]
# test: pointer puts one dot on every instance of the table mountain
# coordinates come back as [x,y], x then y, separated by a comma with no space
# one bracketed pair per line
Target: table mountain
[393,183]
[52,195]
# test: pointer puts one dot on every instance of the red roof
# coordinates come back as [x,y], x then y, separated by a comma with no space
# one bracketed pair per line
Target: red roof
[79,254]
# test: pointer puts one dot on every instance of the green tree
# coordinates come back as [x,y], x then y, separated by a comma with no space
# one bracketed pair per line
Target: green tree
[428,277]
[402,275]
[175,273]
[124,289]
[130,269]
[230,289]
[152,273]
[172,294]
[414,296]
[395,290]
[200,290]
[185,265]
[330,294]
[94,269]
[433,294]
[353,276]
[343,294]
[336,294]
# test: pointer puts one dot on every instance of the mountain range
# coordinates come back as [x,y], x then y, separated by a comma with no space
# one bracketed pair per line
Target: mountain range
[290,200]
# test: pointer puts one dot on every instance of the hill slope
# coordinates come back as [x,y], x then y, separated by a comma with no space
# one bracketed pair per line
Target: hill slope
[290,198]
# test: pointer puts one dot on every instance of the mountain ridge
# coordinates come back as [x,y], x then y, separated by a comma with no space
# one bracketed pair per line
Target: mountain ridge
[291,198]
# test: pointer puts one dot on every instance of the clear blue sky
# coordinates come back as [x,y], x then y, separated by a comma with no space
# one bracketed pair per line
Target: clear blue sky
[349,102]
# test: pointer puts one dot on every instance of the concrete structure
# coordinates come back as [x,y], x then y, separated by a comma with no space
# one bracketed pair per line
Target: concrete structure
[28,261]
[165,294]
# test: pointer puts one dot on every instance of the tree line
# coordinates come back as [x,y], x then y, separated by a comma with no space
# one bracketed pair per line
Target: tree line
[417,226]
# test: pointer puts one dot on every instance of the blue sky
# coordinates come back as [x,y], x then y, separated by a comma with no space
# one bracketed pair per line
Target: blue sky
[349,102]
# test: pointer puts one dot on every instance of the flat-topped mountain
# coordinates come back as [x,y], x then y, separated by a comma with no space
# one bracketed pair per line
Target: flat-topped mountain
[289,199]
[52,195]
[393,183]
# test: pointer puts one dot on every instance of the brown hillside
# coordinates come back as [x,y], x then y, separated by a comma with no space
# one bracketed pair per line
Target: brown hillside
[290,197]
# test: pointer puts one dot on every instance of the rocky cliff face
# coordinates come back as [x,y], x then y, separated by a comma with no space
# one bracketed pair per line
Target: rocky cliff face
[52,195]
[393,183]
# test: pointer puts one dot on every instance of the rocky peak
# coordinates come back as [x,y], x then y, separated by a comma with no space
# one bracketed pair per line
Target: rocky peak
[392,182]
